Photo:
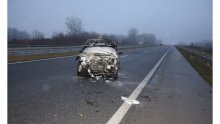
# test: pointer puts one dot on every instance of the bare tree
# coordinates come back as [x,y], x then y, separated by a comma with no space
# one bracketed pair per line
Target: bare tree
[37,35]
[59,35]
[15,34]
[149,39]
[133,35]
[74,25]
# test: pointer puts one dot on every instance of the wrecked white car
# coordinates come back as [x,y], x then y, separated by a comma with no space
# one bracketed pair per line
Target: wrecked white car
[98,59]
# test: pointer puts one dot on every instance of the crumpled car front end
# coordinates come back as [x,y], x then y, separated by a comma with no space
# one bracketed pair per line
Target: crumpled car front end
[98,62]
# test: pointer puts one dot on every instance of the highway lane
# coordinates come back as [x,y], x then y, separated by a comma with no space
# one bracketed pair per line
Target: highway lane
[50,92]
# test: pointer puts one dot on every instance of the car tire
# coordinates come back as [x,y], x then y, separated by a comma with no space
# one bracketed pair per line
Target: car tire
[115,76]
[79,73]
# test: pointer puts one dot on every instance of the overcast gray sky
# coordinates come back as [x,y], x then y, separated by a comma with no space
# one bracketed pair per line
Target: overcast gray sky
[169,20]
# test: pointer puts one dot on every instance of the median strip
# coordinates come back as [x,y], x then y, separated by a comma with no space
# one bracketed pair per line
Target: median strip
[38,57]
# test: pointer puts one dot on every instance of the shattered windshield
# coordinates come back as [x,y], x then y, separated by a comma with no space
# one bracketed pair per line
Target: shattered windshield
[99,51]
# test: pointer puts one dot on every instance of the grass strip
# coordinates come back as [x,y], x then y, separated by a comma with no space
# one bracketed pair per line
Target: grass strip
[203,68]
[200,52]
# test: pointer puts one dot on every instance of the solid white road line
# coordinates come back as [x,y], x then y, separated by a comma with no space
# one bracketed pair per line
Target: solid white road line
[40,60]
[120,113]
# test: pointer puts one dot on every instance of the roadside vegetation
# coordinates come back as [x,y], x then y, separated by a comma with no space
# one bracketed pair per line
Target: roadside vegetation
[203,68]
[204,49]
[76,35]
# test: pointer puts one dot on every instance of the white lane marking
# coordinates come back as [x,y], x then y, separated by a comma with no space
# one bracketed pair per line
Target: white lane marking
[39,60]
[123,56]
[120,113]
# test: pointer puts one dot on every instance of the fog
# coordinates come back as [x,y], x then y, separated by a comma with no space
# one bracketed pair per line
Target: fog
[172,21]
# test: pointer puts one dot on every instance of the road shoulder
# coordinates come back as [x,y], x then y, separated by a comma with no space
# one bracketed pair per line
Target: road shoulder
[176,94]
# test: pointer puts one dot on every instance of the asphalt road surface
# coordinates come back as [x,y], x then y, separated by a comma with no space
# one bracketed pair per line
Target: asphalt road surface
[50,92]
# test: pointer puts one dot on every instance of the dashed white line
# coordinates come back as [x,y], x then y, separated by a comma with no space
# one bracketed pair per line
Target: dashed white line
[123,56]
[120,113]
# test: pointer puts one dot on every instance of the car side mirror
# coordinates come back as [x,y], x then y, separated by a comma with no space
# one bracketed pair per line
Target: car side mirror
[119,53]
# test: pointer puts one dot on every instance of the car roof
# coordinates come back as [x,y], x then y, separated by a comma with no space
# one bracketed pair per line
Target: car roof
[101,42]
[104,41]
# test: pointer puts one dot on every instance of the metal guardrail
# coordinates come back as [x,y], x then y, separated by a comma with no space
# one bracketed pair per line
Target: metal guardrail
[41,48]
[46,50]
[198,56]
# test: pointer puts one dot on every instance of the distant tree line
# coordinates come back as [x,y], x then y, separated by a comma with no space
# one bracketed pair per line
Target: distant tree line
[16,35]
[76,35]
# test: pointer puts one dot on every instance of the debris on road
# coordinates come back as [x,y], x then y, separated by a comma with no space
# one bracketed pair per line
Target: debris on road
[130,101]
[86,92]
[98,77]
[145,97]
[97,111]
[99,92]
[92,103]
[170,97]
[107,81]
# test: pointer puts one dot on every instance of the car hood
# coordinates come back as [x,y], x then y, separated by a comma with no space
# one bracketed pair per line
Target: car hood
[101,50]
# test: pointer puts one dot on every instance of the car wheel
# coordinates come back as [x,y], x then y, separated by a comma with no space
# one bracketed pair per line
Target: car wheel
[79,69]
[115,76]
